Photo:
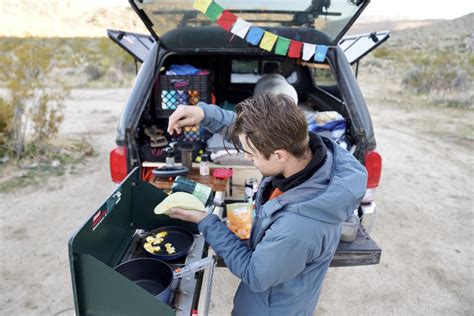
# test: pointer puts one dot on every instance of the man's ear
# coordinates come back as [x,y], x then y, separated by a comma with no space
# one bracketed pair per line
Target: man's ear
[281,155]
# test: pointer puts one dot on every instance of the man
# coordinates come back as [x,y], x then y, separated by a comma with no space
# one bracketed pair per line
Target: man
[310,186]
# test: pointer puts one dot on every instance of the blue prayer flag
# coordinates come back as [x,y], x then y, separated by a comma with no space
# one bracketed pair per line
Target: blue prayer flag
[320,54]
[254,35]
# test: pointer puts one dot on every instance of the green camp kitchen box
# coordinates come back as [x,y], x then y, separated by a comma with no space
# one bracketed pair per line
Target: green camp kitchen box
[112,235]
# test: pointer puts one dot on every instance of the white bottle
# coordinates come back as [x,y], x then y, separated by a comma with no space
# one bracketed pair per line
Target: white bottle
[204,165]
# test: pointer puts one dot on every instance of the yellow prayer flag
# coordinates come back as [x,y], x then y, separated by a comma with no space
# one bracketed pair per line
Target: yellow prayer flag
[268,41]
[202,5]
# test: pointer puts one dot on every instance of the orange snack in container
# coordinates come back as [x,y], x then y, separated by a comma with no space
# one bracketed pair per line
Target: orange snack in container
[239,219]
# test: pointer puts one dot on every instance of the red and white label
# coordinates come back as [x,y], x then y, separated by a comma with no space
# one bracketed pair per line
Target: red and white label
[98,217]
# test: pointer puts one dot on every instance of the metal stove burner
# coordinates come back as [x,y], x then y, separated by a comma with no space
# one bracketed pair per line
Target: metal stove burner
[182,290]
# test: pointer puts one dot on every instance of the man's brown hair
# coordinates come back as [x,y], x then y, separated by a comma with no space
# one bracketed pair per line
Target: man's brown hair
[271,122]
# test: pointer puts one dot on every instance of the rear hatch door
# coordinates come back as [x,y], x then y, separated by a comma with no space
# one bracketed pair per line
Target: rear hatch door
[357,46]
[333,17]
[137,45]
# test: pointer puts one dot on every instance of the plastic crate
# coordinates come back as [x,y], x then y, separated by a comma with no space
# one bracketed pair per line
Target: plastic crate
[176,90]
[189,90]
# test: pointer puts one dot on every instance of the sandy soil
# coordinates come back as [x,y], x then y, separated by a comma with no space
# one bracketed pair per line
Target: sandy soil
[425,223]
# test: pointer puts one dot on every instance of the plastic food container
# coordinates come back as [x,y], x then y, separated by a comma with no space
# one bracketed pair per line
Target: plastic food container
[239,219]
[349,229]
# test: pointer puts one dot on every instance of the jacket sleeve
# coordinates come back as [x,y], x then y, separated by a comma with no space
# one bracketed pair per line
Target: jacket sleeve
[216,120]
[276,258]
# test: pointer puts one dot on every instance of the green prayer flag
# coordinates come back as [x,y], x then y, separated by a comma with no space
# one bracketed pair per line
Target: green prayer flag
[214,11]
[282,46]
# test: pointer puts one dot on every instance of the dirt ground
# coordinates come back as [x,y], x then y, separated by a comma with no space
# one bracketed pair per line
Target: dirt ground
[424,225]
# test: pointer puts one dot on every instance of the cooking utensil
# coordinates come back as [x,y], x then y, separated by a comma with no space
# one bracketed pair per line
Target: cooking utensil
[180,238]
[155,276]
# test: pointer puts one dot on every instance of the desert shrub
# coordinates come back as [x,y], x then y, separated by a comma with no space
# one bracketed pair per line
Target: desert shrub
[36,108]
[381,52]
[94,57]
[437,71]
[453,100]
[6,123]
[94,72]
[46,116]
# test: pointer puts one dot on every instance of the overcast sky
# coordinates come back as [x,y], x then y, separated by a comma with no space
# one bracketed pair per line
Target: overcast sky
[413,9]
[420,9]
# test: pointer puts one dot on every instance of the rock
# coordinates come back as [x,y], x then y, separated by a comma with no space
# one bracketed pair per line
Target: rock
[21,174]
[4,159]
[56,163]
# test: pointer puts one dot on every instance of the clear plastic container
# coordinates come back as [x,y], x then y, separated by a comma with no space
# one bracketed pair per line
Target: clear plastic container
[350,228]
[186,155]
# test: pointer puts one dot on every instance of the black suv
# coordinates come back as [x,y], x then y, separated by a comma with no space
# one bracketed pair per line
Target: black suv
[182,35]
[228,69]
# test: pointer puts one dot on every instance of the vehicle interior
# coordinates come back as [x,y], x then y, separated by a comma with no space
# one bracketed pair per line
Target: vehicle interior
[232,78]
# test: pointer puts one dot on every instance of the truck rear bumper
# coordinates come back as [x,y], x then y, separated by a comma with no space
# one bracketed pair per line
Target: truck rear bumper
[362,251]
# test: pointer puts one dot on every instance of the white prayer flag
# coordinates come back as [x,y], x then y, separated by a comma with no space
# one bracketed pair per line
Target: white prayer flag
[241,27]
[308,51]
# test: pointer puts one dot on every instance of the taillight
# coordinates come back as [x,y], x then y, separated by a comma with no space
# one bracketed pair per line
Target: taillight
[118,164]
[373,164]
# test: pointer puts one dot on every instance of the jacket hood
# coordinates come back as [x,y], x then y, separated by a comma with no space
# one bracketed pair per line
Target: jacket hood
[331,195]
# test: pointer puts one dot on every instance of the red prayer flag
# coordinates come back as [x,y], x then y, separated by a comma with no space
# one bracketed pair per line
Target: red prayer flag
[295,49]
[227,20]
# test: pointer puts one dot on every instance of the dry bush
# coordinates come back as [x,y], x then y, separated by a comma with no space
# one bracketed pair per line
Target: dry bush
[6,122]
[436,72]
[37,108]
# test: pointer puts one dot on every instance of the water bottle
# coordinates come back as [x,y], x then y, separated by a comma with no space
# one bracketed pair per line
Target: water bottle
[201,191]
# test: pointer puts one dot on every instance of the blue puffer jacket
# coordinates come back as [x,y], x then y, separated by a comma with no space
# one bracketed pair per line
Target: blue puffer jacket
[294,236]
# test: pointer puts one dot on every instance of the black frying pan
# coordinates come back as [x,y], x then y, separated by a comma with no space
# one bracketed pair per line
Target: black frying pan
[180,238]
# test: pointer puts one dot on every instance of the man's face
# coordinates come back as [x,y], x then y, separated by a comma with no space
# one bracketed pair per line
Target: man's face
[267,167]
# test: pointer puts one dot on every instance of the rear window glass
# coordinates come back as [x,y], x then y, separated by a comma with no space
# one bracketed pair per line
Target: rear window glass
[323,77]
[245,71]
[331,17]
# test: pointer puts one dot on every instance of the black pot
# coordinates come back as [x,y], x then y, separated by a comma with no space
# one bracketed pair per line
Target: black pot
[153,275]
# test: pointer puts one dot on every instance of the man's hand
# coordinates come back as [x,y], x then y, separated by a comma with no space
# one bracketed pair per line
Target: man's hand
[185,115]
[185,215]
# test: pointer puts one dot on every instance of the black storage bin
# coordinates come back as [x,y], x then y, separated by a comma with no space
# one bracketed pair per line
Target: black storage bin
[178,89]
[183,89]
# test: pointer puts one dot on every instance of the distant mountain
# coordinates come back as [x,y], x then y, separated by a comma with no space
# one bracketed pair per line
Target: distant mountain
[368,26]
[457,34]
[65,18]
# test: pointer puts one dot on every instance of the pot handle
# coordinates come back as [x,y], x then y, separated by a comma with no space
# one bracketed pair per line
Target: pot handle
[193,267]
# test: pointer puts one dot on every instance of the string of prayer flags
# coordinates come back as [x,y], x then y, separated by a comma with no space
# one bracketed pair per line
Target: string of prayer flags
[254,35]
[202,5]
[282,46]
[227,20]
[308,51]
[214,11]
[321,51]
[240,28]
[258,36]
[295,49]
[268,41]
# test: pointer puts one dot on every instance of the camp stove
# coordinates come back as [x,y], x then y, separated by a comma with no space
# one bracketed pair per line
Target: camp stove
[183,289]
[113,234]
